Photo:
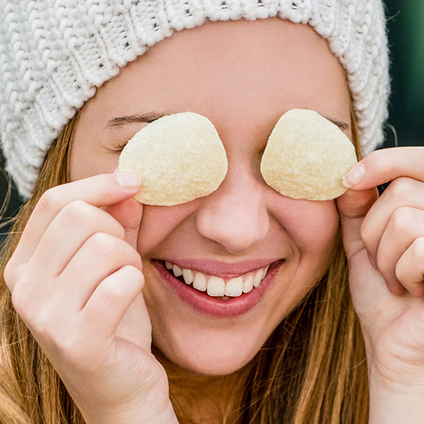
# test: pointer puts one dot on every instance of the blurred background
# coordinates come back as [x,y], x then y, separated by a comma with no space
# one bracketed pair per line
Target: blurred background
[405,21]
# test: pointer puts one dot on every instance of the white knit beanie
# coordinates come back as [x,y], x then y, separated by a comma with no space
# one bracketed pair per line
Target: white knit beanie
[54,53]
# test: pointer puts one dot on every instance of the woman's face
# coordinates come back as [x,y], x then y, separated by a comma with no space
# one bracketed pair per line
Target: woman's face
[242,76]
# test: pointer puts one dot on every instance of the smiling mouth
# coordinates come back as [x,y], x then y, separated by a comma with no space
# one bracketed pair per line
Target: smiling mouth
[224,288]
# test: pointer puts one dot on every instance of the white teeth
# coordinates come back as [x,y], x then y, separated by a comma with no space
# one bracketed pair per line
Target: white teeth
[234,287]
[188,276]
[257,278]
[248,285]
[177,271]
[216,286]
[199,282]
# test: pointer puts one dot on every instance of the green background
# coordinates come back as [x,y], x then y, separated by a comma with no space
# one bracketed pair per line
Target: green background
[406,40]
[405,22]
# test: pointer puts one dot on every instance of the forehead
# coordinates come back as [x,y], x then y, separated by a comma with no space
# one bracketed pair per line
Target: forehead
[232,71]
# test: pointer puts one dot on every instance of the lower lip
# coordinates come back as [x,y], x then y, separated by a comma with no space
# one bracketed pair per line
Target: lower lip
[216,307]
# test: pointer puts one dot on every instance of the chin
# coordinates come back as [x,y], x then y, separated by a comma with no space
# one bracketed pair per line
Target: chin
[210,356]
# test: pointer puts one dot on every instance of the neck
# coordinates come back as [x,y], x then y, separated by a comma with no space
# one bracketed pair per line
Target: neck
[202,398]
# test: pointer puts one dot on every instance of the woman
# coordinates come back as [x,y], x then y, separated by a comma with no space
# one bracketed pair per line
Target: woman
[94,276]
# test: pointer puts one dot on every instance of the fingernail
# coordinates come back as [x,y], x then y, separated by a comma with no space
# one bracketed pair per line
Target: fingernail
[354,176]
[128,181]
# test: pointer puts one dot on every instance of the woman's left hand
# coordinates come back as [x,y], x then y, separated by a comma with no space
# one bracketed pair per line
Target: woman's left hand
[384,243]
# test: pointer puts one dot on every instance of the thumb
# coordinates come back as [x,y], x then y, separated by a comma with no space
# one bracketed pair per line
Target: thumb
[128,213]
[353,207]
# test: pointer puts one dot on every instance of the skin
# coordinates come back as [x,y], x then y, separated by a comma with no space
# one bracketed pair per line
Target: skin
[171,78]
[90,287]
[176,77]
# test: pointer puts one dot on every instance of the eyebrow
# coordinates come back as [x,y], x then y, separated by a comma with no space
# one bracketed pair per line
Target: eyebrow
[133,119]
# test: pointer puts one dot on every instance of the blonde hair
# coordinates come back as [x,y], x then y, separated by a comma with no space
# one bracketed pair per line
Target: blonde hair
[312,369]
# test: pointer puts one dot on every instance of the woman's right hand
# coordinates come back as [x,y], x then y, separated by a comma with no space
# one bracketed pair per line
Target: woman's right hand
[76,280]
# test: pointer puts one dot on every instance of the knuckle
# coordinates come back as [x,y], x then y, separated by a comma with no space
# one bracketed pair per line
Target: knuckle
[21,299]
[10,272]
[135,274]
[117,251]
[401,220]
[417,249]
[52,200]
[400,272]
[102,244]
[43,323]
[400,189]
[113,292]
[76,212]
[82,215]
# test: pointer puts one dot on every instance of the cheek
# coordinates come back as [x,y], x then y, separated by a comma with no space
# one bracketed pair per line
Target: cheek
[159,222]
[313,226]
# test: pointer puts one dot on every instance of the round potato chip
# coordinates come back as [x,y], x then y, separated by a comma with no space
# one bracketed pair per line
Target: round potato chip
[307,156]
[178,158]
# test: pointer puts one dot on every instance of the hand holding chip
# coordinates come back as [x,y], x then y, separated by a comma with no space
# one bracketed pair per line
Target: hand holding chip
[82,299]
[384,240]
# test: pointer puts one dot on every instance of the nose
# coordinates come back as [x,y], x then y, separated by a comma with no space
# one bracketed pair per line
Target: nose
[235,215]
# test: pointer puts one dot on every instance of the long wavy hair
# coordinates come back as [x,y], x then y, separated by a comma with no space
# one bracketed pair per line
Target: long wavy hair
[311,370]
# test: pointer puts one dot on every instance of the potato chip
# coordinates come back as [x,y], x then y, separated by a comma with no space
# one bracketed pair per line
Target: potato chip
[307,156]
[178,158]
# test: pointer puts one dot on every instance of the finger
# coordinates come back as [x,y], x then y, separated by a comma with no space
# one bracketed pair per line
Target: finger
[68,231]
[385,165]
[405,225]
[410,268]
[114,295]
[99,257]
[402,192]
[128,213]
[135,325]
[353,207]
[100,190]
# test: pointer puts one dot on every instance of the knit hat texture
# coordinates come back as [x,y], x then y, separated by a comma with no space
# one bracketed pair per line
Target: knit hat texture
[55,53]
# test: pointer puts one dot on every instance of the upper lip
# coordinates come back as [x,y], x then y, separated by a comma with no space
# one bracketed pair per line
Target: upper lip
[220,269]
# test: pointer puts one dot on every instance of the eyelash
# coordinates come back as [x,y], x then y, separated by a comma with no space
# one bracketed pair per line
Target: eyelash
[120,148]
[147,120]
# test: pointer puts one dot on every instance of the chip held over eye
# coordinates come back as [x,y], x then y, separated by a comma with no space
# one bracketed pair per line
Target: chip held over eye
[307,156]
[178,158]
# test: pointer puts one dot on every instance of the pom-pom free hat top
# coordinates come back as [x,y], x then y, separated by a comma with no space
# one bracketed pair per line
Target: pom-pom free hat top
[55,53]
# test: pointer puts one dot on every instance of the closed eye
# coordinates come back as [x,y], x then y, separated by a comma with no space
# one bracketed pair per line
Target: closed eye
[122,121]
[119,148]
